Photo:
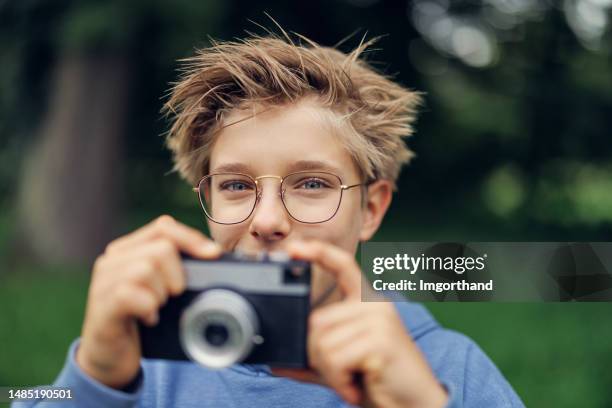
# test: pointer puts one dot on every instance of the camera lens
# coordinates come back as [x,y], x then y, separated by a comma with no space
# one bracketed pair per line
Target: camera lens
[216,334]
[218,328]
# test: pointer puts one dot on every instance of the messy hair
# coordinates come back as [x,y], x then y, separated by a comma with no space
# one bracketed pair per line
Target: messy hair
[372,112]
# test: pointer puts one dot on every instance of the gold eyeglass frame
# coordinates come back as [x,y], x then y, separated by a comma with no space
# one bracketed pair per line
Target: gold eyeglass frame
[259,191]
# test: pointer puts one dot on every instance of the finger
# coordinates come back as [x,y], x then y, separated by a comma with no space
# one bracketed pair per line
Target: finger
[323,345]
[322,350]
[358,359]
[164,258]
[317,347]
[135,301]
[333,260]
[187,239]
[143,273]
[360,356]
[341,380]
[336,313]
[337,337]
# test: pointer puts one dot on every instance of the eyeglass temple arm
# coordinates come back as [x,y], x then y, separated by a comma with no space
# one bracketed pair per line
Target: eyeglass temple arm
[345,187]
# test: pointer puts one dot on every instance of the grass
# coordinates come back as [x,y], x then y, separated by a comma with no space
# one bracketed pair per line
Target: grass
[41,313]
[554,354]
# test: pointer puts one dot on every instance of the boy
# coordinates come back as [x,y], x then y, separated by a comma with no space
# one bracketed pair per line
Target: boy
[301,147]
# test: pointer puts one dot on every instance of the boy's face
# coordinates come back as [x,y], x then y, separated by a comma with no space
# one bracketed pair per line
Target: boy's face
[278,142]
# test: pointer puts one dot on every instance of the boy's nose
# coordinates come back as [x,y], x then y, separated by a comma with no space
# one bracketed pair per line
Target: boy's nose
[270,221]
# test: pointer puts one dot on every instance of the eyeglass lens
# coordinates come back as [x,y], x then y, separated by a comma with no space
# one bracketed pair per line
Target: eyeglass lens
[310,197]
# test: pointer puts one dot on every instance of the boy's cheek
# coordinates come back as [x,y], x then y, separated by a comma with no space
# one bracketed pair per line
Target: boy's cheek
[228,236]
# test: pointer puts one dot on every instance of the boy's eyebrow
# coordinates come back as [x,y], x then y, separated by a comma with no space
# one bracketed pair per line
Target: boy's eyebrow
[232,168]
[299,165]
[313,165]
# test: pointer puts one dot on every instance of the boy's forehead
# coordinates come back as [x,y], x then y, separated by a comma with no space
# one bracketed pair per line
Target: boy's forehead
[280,140]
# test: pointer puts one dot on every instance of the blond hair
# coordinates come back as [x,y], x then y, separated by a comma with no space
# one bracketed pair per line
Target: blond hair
[375,113]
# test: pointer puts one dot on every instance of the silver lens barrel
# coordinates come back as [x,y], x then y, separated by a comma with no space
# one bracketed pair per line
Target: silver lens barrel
[218,328]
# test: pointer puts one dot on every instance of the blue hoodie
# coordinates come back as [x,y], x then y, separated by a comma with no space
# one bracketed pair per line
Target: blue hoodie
[470,378]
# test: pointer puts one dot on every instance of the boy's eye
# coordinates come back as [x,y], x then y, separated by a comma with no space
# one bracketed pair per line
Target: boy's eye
[312,184]
[235,186]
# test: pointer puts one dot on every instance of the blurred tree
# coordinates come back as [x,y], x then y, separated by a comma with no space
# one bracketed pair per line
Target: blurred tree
[70,182]
[68,203]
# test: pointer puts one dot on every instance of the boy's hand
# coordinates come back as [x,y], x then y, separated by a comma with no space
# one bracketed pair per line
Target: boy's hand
[367,340]
[130,281]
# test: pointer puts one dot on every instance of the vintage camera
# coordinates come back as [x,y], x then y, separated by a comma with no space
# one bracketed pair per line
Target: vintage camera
[239,308]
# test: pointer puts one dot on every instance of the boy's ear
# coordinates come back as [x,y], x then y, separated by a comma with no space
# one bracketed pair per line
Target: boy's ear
[378,198]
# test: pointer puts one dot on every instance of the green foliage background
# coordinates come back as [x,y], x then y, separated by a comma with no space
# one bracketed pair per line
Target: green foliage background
[519,150]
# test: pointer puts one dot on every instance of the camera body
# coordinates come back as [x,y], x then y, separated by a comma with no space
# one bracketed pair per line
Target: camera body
[235,309]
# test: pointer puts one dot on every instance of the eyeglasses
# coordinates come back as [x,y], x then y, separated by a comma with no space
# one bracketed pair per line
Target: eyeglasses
[309,197]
